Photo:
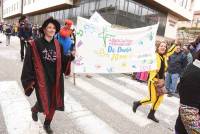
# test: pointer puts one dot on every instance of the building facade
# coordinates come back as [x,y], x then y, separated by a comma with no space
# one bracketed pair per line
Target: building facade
[34,9]
[196,18]
[188,31]
[1,10]
[126,13]
[11,8]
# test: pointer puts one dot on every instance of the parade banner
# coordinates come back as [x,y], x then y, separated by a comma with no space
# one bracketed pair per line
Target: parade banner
[102,49]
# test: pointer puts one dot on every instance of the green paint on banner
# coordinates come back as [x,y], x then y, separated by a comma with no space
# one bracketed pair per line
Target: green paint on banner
[105,35]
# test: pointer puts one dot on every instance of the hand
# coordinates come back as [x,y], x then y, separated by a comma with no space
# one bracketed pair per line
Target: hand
[177,42]
[32,87]
[73,52]
[22,38]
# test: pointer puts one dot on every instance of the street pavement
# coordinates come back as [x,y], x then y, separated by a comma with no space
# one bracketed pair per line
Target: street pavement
[98,105]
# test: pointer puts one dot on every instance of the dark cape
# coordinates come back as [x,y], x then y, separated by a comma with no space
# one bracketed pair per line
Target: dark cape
[189,93]
[47,79]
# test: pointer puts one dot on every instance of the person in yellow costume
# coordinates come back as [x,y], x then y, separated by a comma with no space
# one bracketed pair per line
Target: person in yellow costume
[162,55]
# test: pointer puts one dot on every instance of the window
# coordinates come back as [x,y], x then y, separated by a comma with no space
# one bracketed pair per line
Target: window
[131,7]
[182,3]
[78,11]
[102,4]
[24,2]
[144,11]
[86,9]
[29,2]
[92,7]
[66,13]
[14,6]
[111,3]
[139,15]
[82,10]
[186,3]
[121,4]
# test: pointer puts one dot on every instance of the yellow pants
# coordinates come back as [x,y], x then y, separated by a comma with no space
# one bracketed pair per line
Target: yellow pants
[153,98]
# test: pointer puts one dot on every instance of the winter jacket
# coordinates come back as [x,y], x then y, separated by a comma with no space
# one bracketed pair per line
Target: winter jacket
[177,62]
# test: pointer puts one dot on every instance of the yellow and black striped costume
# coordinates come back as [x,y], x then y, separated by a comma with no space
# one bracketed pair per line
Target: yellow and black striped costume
[153,98]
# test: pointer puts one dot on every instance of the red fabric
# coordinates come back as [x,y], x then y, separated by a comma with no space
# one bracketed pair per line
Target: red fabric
[29,88]
[144,76]
[68,22]
[41,78]
[49,116]
[39,70]
[65,32]
[68,67]
[58,74]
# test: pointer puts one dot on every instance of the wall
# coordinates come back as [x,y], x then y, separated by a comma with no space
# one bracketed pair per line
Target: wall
[174,6]
[171,27]
[0,10]
[30,6]
[11,8]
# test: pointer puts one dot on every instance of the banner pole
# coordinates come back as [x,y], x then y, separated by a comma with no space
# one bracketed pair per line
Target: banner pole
[74,77]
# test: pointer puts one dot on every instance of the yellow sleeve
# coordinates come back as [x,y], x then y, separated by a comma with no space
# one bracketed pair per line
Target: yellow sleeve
[171,50]
[153,73]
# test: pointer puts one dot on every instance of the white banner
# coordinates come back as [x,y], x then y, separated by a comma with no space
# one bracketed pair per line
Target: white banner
[102,49]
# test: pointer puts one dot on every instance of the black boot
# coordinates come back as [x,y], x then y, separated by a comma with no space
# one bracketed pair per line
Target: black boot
[35,116]
[152,116]
[47,127]
[136,104]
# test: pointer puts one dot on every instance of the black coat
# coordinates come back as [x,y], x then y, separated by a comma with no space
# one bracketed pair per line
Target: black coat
[25,33]
[31,73]
[189,92]
[8,31]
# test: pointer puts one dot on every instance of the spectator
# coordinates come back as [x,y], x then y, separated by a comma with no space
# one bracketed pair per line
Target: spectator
[8,33]
[176,64]
[25,34]
[1,27]
[188,54]
[65,39]
[35,32]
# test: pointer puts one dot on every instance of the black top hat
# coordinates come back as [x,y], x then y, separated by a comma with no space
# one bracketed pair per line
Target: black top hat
[53,21]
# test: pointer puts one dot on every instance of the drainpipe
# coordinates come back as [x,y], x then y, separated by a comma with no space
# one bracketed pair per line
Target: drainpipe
[22,3]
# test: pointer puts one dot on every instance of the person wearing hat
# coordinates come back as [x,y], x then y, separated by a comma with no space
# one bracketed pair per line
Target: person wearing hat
[25,34]
[64,37]
[43,69]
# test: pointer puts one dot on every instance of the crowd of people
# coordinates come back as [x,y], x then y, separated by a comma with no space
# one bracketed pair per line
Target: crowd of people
[23,29]
[178,70]
[188,121]
[47,52]
[177,62]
